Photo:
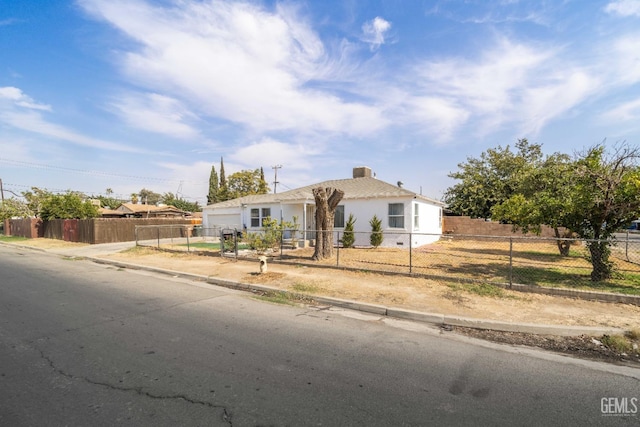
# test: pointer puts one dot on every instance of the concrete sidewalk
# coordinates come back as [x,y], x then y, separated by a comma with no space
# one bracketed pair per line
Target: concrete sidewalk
[93,253]
[93,250]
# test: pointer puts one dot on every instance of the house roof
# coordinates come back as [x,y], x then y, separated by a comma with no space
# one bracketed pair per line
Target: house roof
[354,188]
[110,212]
[142,208]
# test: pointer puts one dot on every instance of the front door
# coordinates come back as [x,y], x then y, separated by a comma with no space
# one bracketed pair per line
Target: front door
[311,223]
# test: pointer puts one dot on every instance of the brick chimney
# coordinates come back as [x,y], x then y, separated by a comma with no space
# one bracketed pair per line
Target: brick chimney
[362,172]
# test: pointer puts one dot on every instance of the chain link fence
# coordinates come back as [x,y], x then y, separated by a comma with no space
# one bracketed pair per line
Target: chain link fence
[489,259]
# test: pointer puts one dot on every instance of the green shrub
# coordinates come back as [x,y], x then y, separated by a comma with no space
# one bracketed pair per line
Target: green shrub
[376,231]
[271,234]
[349,238]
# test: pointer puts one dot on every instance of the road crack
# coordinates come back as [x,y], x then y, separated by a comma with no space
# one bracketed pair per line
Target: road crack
[141,314]
[226,413]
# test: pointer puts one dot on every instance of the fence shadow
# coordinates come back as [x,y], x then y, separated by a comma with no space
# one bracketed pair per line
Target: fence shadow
[526,261]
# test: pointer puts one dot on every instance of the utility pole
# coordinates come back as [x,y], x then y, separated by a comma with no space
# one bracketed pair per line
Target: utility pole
[275,181]
[1,190]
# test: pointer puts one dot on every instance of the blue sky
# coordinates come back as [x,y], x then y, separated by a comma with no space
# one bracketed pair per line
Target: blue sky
[132,94]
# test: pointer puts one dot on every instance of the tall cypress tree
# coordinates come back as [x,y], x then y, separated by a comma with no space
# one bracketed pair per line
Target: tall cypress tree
[263,187]
[213,196]
[224,186]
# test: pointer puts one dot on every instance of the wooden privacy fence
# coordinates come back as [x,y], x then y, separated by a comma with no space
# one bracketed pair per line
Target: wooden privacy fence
[92,231]
[24,227]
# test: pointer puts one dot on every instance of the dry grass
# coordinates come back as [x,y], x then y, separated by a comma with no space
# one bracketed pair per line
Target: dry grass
[495,261]
[43,243]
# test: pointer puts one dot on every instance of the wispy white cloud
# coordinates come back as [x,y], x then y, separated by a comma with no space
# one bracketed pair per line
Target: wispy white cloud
[269,151]
[437,116]
[626,112]
[156,113]
[508,84]
[238,62]
[8,21]
[624,59]
[35,123]
[373,32]
[555,97]
[624,7]
[18,98]
[488,83]
[497,12]
[20,111]
[190,180]
[270,72]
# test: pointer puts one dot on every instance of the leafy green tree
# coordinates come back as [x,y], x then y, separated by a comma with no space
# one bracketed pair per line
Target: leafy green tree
[67,206]
[491,179]
[348,237]
[376,236]
[108,201]
[592,196]
[543,197]
[14,208]
[178,202]
[246,182]
[149,197]
[605,198]
[35,198]
[214,186]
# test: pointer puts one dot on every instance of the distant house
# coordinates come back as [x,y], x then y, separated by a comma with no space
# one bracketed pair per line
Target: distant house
[402,211]
[110,213]
[135,210]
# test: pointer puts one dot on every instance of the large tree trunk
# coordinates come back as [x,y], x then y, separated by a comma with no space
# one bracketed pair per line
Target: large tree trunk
[327,200]
[599,252]
[564,245]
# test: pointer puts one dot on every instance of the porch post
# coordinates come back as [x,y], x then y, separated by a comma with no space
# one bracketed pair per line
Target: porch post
[304,223]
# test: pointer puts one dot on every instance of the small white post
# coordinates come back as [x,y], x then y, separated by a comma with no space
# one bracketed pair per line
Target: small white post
[263,264]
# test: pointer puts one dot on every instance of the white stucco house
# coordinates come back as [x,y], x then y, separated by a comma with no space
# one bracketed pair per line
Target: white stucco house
[404,214]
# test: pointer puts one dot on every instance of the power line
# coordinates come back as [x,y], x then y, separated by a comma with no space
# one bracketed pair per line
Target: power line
[88,172]
[56,190]
[120,196]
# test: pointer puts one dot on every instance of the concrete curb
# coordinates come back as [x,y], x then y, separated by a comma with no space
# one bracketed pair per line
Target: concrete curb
[531,328]
[430,318]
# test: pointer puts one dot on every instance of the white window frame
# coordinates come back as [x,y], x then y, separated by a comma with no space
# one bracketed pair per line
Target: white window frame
[255,216]
[264,214]
[258,215]
[395,217]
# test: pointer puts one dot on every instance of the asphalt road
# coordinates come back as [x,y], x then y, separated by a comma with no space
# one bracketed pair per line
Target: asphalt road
[87,344]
